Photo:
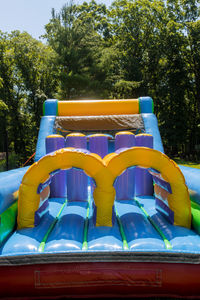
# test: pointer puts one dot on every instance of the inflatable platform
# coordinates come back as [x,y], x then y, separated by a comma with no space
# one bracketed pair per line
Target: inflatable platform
[102,212]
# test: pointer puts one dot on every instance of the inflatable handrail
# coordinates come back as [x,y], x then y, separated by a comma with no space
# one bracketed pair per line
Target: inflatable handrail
[104,172]
[157,178]
[53,107]
[192,176]
[9,183]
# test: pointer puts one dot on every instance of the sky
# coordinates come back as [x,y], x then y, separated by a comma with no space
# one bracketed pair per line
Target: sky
[31,15]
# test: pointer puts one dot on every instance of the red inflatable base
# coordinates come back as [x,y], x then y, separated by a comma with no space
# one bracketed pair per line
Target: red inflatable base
[98,280]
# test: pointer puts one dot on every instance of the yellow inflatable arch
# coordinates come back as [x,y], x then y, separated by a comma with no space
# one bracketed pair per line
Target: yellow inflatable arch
[39,172]
[179,200]
[104,172]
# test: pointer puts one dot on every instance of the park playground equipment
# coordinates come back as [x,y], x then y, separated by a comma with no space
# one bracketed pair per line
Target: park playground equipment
[102,212]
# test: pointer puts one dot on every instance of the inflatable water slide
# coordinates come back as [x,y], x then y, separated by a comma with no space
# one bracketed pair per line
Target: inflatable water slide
[102,212]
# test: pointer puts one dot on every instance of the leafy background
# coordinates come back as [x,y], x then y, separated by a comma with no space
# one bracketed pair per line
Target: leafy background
[131,49]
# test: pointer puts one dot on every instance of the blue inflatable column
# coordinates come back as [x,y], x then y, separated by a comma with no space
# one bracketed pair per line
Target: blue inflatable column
[58,187]
[77,180]
[143,180]
[125,183]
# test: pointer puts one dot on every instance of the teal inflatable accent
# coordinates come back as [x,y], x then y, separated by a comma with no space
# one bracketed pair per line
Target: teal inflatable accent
[151,127]
[46,128]
[146,105]
[192,178]
[50,107]
[9,183]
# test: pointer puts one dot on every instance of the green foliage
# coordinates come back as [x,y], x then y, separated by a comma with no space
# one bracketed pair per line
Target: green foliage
[13,162]
[76,35]
[27,78]
[126,89]
[134,48]
[3,108]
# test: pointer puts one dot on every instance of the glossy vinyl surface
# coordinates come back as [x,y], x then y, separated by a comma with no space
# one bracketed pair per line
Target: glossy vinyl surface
[141,255]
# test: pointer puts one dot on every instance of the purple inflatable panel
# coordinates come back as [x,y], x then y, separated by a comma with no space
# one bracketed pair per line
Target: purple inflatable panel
[125,183]
[77,180]
[143,180]
[98,143]
[58,187]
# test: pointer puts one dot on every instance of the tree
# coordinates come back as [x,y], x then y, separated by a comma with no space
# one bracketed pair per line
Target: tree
[76,35]
[27,79]
[152,38]
[36,64]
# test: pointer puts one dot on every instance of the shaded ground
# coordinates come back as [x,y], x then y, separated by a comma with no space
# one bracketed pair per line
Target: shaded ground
[186,163]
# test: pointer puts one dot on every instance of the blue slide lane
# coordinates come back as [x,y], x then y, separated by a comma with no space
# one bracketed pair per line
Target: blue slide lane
[181,239]
[67,234]
[140,234]
[104,238]
[27,241]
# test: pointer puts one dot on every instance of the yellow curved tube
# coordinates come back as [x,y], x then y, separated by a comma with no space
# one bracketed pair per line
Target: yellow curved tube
[179,201]
[104,173]
[39,172]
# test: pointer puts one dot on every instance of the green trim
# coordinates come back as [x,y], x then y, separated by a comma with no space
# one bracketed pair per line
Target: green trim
[195,209]
[8,221]
[85,233]
[44,108]
[121,229]
[168,245]
[57,108]
[43,243]
[139,106]
[152,106]
[194,204]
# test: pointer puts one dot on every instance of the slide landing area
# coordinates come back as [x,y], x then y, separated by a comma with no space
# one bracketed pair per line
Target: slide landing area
[69,227]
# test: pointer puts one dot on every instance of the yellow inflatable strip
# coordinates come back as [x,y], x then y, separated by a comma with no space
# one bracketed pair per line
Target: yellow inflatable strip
[124,132]
[98,107]
[104,173]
